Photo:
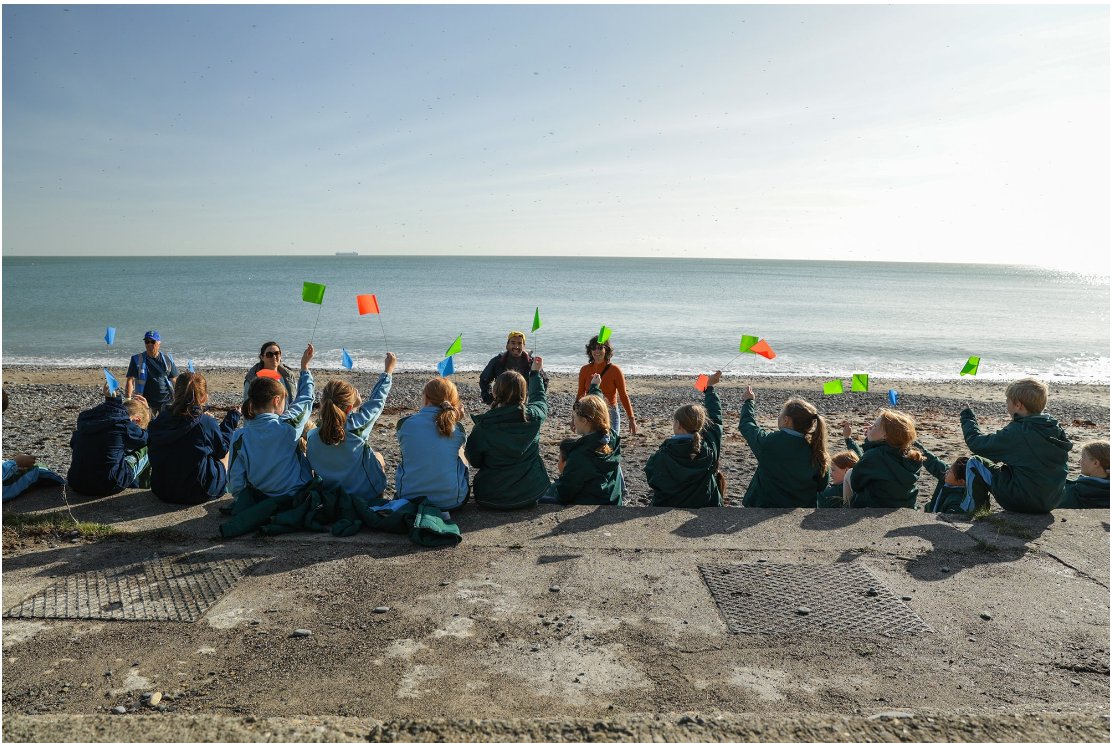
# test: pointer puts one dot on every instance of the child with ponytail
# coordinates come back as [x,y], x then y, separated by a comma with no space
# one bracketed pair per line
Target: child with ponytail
[792,463]
[264,453]
[887,474]
[504,444]
[431,441]
[683,473]
[592,464]
[339,448]
[188,449]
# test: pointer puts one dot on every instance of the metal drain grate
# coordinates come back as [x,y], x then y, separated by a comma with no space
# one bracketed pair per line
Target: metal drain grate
[171,589]
[842,599]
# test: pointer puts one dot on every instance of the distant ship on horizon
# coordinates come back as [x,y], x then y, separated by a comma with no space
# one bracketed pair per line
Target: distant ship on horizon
[347,252]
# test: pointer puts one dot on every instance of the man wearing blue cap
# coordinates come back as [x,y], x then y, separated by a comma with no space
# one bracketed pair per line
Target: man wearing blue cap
[151,374]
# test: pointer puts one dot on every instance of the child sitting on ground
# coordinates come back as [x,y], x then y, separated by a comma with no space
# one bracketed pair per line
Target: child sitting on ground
[887,474]
[792,463]
[339,449]
[1090,490]
[110,447]
[264,453]
[949,496]
[431,442]
[188,449]
[1023,464]
[839,464]
[22,473]
[504,444]
[683,473]
[591,473]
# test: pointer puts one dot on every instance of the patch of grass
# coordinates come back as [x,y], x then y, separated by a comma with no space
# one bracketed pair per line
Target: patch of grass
[1004,527]
[36,527]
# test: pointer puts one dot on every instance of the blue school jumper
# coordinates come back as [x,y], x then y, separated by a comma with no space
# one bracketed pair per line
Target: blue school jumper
[264,453]
[430,466]
[351,465]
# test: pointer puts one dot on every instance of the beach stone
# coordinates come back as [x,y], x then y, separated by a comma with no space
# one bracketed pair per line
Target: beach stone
[121,710]
[873,592]
[985,616]
[152,699]
[554,589]
[803,610]
[381,609]
[906,598]
[301,633]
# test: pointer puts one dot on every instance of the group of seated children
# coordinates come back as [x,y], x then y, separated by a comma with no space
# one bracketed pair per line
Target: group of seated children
[277,451]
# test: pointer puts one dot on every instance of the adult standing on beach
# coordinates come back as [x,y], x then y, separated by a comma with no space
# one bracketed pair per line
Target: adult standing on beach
[515,358]
[270,358]
[151,374]
[612,385]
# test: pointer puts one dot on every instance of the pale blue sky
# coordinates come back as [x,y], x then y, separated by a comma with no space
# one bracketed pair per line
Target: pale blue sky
[946,133]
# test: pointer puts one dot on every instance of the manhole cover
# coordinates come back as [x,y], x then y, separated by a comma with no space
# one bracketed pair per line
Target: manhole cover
[808,599]
[171,589]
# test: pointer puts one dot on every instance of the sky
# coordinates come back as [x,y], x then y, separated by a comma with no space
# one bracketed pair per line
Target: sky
[908,133]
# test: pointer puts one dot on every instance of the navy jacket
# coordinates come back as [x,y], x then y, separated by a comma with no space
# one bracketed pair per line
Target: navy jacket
[104,436]
[185,456]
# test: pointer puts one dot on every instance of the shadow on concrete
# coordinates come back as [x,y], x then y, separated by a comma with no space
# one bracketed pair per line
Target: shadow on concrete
[726,520]
[828,519]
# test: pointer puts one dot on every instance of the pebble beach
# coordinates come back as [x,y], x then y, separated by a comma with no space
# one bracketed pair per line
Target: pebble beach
[45,402]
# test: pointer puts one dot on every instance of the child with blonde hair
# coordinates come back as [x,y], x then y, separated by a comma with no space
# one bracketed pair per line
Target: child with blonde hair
[264,453]
[591,473]
[431,442]
[792,462]
[1090,490]
[110,447]
[188,448]
[887,474]
[1025,463]
[339,448]
[683,473]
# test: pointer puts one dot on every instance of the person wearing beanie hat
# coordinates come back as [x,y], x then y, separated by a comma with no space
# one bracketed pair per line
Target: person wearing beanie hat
[515,358]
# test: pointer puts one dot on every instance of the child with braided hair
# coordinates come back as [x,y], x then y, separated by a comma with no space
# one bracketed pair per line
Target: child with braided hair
[339,448]
[188,449]
[683,473]
[792,463]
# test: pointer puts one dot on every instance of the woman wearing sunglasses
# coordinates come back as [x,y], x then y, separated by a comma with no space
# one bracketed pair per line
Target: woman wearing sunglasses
[270,360]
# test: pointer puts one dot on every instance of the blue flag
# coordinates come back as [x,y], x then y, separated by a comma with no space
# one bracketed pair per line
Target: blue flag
[110,336]
[893,397]
[113,385]
[191,367]
[446,367]
[346,359]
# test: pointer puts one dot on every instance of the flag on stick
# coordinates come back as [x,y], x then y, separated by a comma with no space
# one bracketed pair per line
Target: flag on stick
[702,383]
[113,385]
[446,367]
[971,366]
[761,348]
[833,387]
[190,366]
[893,397]
[747,342]
[110,336]
[536,320]
[368,304]
[860,383]
[314,293]
[345,359]
[269,374]
[455,347]
[603,334]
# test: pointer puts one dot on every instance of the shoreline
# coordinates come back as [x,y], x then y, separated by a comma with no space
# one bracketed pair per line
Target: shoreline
[45,402]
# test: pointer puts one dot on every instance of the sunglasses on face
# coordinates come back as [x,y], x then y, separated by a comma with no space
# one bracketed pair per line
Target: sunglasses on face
[149,342]
[272,354]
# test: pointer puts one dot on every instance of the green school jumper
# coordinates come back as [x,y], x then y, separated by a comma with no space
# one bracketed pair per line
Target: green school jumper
[885,478]
[590,477]
[945,498]
[506,451]
[679,481]
[834,495]
[784,476]
[1086,492]
[1029,459]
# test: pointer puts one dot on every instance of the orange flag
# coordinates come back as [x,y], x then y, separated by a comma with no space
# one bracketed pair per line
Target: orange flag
[368,304]
[763,349]
[270,373]
[702,383]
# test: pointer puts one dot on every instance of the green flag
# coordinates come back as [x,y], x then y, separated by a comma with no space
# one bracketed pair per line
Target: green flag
[747,342]
[455,347]
[314,293]
[971,366]
[834,387]
[536,320]
[860,383]
[603,334]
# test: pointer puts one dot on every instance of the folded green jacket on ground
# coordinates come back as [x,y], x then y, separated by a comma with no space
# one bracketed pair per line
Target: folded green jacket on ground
[319,508]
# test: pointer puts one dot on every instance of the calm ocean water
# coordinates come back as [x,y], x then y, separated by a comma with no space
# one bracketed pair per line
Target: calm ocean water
[891,320]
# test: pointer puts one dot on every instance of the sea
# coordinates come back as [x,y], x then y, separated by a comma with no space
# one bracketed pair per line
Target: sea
[666,316]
